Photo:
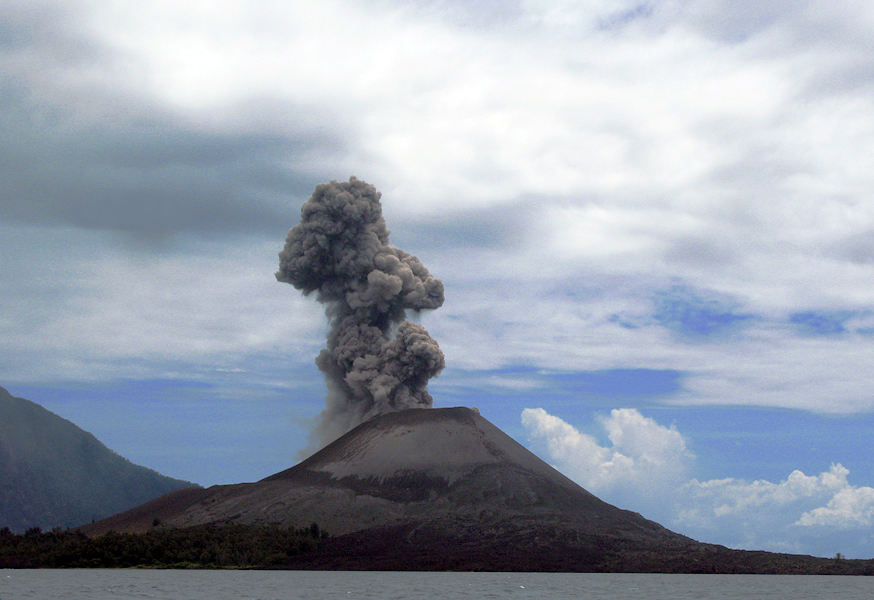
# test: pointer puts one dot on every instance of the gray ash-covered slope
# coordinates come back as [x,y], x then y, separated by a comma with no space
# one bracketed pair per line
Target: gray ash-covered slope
[54,474]
[422,488]
[452,464]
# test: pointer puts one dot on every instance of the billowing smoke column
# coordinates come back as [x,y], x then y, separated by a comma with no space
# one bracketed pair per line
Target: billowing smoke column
[376,361]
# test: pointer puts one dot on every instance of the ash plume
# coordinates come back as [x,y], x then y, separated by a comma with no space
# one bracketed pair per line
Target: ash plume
[375,361]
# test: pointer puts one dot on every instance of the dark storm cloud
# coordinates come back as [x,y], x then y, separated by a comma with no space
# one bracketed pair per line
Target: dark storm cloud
[477,228]
[152,177]
[77,154]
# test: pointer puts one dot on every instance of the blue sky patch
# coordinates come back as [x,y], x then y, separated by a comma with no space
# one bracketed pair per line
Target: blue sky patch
[621,383]
[688,313]
[624,17]
[525,381]
[814,322]
[740,441]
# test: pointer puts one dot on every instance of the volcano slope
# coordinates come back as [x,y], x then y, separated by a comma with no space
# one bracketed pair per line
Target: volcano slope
[443,489]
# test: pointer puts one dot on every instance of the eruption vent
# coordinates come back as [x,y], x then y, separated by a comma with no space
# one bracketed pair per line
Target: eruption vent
[376,361]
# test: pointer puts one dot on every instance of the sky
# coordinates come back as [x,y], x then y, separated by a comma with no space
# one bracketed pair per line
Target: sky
[653,221]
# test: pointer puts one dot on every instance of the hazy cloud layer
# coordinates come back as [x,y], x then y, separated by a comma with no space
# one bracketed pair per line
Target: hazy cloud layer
[676,185]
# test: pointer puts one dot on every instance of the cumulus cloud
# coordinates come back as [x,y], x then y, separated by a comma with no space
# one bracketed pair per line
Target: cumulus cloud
[724,498]
[647,469]
[644,461]
[799,514]
[849,507]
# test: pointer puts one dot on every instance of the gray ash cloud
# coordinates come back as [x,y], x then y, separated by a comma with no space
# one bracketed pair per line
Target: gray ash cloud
[375,361]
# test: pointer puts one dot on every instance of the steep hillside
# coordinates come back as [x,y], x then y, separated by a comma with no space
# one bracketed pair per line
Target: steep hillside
[53,474]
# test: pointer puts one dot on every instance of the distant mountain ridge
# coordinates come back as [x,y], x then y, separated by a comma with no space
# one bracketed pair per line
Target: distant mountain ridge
[54,474]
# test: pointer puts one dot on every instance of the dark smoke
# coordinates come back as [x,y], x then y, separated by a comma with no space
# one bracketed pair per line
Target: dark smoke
[376,361]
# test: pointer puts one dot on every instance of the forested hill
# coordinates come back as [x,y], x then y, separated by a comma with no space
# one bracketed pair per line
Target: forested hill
[54,474]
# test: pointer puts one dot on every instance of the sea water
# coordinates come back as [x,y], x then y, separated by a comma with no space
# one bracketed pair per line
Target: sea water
[105,584]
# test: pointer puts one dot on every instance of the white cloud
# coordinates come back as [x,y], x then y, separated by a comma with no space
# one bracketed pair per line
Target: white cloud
[703,144]
[647,467]
[645,461]
[849,508]
[800,514]
[603,322]
[731,498]
[109,311]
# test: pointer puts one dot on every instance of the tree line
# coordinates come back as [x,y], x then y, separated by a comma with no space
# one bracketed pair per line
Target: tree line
[208,546]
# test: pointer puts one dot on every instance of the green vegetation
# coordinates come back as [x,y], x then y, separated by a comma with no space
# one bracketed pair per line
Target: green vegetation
[207,547]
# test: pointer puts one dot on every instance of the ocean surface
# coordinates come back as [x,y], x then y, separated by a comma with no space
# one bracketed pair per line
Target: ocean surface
[105,584]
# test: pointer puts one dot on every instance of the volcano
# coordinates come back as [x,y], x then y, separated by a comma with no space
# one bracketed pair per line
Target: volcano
[424,489]
[444,489]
